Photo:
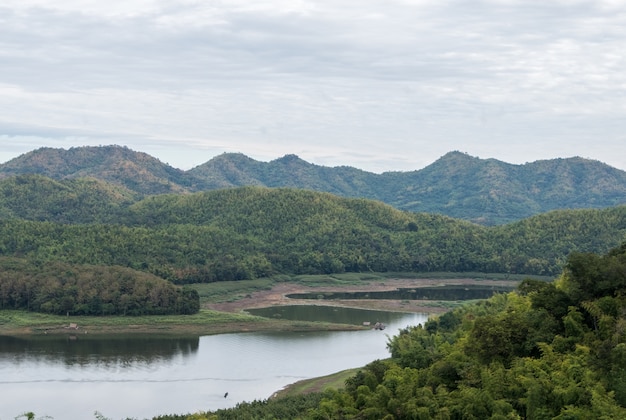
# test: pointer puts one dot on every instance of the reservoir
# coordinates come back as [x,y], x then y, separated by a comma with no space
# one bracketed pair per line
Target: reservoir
[72,377]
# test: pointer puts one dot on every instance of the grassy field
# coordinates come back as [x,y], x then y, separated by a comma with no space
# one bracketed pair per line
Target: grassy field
[215,322]
[336,380]
[227,291]
[203,323]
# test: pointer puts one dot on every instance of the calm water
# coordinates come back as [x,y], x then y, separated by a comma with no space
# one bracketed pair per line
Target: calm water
[141,377]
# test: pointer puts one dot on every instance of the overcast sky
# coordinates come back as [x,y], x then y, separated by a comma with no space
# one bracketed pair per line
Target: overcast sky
[378,85]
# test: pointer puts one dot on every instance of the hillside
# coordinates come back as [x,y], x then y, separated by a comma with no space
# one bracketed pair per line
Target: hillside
[251,232]
[236,170]
[79,200]
[493,192]
[546,351]
[135,171]
[485,191]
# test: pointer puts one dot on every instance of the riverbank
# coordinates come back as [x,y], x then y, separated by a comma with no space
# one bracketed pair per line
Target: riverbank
[227,314]
[278,294]
[206,322]
[335,380]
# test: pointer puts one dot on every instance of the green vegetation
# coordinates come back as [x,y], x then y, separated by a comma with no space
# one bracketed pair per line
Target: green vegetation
[134,171]
[285,408]
[252,232]
[205,322]
[82,200]
[59,288]
[42,321]
[547,351]
[484,191]
[228,291]
[96,240]
[333,381]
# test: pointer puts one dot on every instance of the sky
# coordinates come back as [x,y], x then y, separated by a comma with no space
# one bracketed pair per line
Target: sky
[378,85]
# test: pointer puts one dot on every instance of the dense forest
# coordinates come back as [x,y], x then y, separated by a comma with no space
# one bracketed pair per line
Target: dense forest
[63,289]
[546,351]
[252,232]
[484,191]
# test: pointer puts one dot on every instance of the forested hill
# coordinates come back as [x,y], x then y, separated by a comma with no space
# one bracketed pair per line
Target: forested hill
[485,191]
[139,172]
[546,351]
[250,232]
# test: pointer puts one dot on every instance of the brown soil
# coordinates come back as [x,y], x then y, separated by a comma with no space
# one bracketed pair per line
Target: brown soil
[278,295]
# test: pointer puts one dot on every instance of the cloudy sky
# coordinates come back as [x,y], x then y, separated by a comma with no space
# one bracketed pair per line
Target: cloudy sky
[378,85]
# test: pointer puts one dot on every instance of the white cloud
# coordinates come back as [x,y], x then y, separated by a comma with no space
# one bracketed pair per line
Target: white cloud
[377,85]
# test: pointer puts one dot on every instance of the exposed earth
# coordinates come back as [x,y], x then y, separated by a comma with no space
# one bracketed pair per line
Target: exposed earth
[210,322]
[277,295]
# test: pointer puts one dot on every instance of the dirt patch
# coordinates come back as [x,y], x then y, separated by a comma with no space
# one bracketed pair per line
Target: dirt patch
[277,295]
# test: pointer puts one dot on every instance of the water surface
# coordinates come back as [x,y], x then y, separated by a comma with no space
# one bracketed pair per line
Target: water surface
[140,377]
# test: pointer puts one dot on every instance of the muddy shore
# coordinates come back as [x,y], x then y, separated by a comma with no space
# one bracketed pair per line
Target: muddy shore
[277,295]
[230,317]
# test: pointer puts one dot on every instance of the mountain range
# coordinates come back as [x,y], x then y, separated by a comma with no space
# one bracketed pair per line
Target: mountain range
[484,191]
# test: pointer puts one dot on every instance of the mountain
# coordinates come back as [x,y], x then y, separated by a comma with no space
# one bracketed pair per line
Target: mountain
[236,170]
[489,191]
[485,191]
[136,171]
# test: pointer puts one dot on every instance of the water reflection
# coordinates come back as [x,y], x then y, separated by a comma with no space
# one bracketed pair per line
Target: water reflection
[444,292]
[85,350]
[141,377]
[350,316]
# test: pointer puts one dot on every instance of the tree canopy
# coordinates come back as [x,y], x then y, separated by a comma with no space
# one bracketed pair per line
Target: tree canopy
[60,288]
[546,351]
[253,232]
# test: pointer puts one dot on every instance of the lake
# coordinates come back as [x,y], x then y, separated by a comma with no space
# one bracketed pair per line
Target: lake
[140,377]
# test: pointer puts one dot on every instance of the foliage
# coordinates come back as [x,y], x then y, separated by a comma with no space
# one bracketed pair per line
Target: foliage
[83,200]
[230,290]
[253,232]
[484,191]
[509,357]
[249,233]
[290,407]
[59,288]
[135,171]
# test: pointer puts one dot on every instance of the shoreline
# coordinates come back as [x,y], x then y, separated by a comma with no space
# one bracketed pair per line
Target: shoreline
[112,326]
[230,316]
[277,295]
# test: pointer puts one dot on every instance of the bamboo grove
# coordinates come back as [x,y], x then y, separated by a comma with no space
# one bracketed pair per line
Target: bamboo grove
[251,232]
[546,351]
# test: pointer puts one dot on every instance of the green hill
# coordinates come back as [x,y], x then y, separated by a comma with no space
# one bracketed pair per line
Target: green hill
[135,171]
[78,200]
[547,351]
[60,288]
[251,232]
[485,191]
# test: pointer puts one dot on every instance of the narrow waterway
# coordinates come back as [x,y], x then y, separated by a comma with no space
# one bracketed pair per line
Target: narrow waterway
[140,377]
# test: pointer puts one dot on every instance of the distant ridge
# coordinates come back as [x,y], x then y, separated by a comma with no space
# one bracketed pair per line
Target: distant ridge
[486,191]
[120,165]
